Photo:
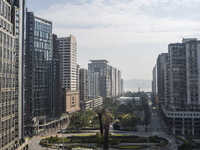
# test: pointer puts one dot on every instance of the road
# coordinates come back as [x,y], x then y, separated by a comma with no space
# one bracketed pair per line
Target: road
[34,143]
[155,128]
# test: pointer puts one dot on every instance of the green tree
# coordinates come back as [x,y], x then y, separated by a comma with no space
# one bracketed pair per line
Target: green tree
[98,139]
[129,121]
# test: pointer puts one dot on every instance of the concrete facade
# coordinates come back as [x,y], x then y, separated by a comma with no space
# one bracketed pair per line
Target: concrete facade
[83,84]
[68,54]
[72,101]
[11,75]
[181,87]
[109,79]
[92,103]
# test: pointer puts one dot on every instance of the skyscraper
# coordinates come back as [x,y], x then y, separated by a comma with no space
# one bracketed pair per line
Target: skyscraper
[93,84]
[83,84]
[113,81]
[11,74]
[181,108]
[68,53]
[160,76]
[103,70]
[38,68]
[154,81]
[119,83]
[104,78]
[55,108]
[69,71]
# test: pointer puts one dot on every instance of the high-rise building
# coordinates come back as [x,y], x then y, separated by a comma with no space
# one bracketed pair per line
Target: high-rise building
[83,84]
[154,81]
[38,71]
[93,84]
[68,53]
[116,82]
[160,76]
[103,70]
[122,86]
[154,87]
[69,72]
[181,108]
[55,106]
[104,78]
[119,83]
[113,81]
[11,74]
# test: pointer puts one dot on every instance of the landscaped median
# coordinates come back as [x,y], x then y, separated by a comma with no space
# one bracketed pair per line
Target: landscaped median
[95,141]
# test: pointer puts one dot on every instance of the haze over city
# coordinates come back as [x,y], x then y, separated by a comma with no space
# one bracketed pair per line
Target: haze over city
[129,34]
[99,74]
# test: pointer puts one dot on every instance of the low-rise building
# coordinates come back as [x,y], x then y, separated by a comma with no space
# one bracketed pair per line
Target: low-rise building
[92,103]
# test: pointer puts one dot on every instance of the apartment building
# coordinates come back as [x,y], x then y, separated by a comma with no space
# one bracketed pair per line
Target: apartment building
[69,73]
[68,54]
[83,84]
[181,83]
[105,78]
[102,69]
[11,75]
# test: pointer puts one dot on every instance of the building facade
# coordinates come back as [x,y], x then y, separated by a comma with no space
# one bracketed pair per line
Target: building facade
[113,81]
[100,68]
[181,83]
[119,83]
[55,108]
[69,73]
[11,75]
[160,75]
[104,78]
[116,82]
[83,84]
[93,84]
[38,71]
[122,86]
[92,103]
[154,81]
[68,54]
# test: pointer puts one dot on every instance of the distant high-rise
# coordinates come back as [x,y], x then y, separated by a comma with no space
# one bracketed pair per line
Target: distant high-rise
[116,82]
[181,108]
[68,53]
[102,69]
[11,74]
[93,84]
[113,81]
[119,83]
[160,76]
[104,78]
[38,71]
[122,86]
[154,81]
[83,84]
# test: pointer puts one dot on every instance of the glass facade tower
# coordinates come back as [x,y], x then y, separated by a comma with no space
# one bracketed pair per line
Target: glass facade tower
[38,62]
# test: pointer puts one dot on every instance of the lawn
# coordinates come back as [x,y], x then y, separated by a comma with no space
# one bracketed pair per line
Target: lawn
[131,147]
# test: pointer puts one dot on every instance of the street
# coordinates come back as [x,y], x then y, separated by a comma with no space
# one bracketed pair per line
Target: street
[155,128]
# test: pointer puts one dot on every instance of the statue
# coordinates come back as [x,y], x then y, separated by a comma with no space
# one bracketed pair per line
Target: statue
[104,120]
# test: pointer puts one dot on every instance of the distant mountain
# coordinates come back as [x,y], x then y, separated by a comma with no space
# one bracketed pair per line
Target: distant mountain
[134,84]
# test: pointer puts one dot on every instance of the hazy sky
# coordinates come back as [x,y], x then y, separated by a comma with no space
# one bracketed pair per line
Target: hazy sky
[130,34]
